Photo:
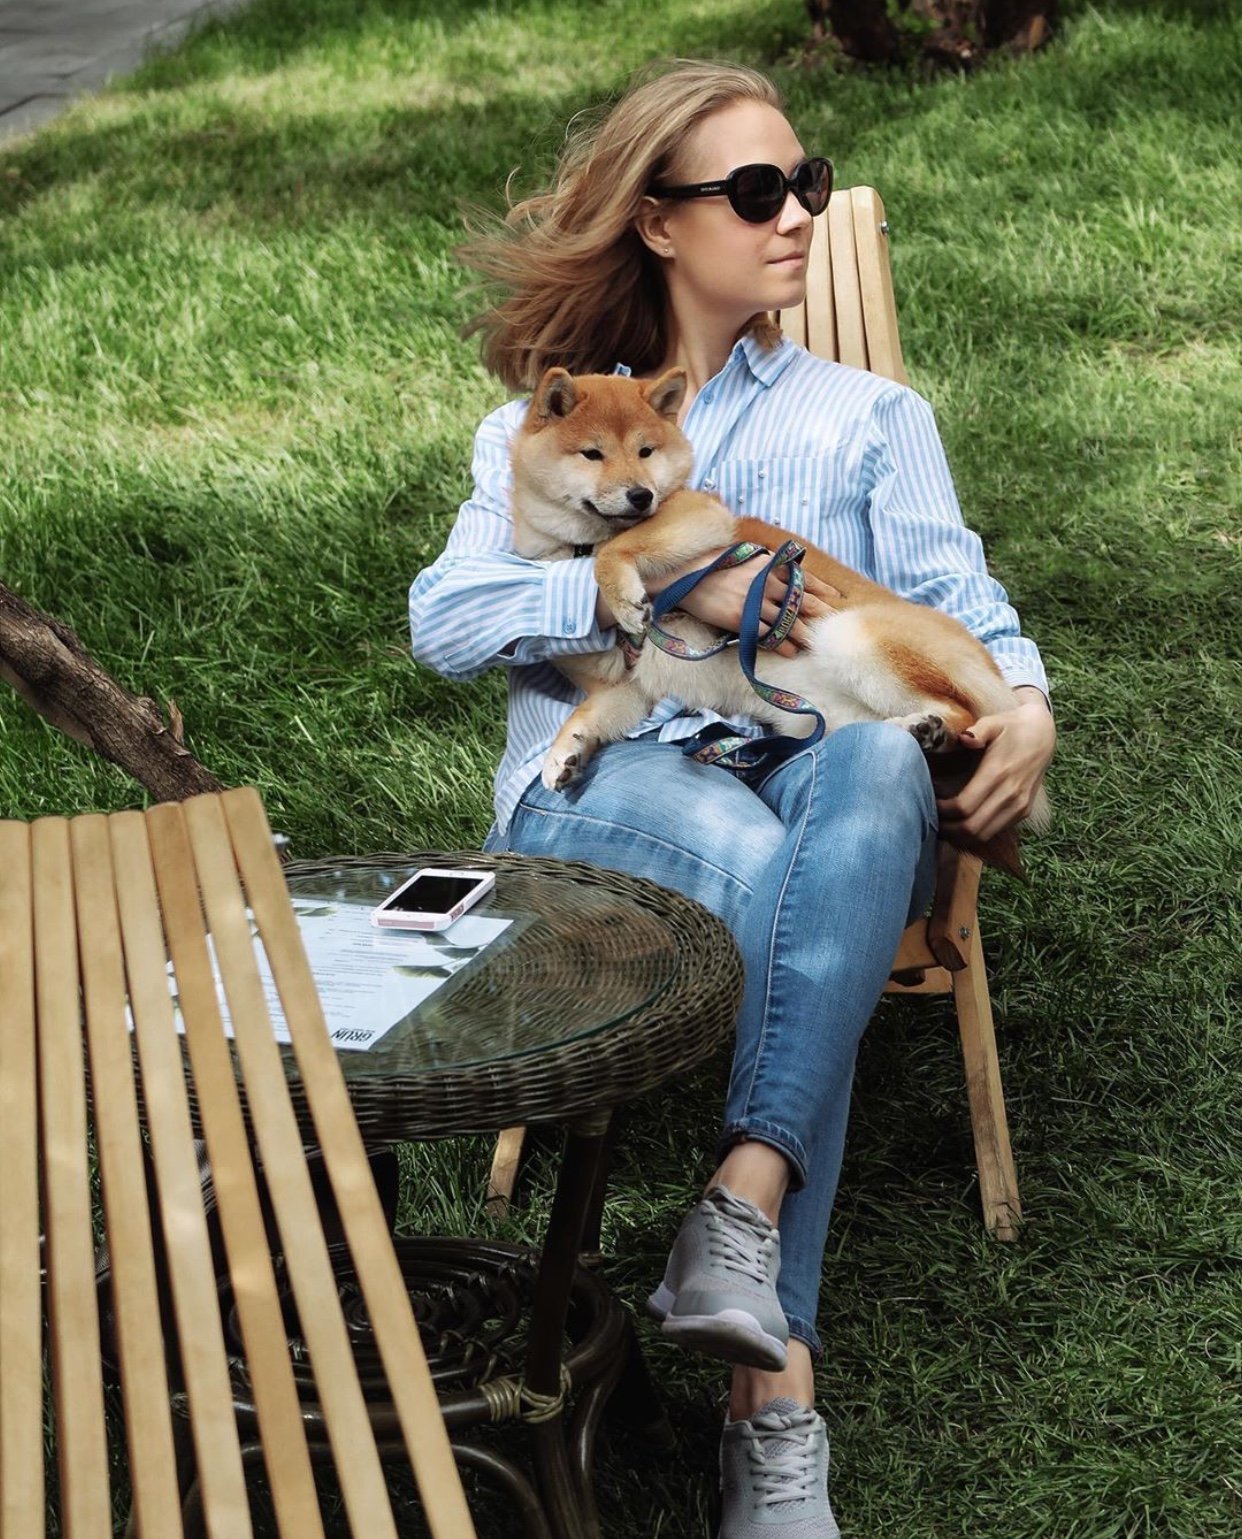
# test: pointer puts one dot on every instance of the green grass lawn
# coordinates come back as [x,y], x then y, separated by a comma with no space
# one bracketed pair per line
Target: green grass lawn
[235,419]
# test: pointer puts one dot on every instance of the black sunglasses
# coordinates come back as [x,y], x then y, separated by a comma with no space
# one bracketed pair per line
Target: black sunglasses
[758,193]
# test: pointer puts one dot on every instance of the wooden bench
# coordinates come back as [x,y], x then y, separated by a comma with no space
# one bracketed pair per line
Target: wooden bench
[120,907]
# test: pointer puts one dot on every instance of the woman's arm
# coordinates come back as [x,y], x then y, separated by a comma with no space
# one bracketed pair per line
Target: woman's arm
[925,552]
[923,549]
[480,604]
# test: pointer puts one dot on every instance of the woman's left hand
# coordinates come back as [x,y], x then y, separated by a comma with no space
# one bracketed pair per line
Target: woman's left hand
[1016,746]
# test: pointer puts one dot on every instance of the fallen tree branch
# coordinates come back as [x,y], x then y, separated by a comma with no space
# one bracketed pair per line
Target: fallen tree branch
[54,674]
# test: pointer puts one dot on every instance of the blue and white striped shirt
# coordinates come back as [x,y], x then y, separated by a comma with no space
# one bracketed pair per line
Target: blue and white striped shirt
[849,459]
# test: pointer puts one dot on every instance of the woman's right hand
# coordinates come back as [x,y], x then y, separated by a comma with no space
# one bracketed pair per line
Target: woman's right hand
[719,599]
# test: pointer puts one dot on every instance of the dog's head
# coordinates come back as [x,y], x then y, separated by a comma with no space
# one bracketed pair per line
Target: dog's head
[598,453]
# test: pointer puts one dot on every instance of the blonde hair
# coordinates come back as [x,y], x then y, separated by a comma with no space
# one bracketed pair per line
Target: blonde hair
[575,284]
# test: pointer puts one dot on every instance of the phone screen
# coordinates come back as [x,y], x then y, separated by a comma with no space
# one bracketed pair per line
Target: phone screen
[431,895]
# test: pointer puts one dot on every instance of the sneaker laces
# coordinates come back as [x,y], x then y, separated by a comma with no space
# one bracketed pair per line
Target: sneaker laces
[735,1239]
[781,1450]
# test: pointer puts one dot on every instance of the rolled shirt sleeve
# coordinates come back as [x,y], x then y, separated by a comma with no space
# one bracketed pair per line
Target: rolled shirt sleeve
[923,549]
[479,603]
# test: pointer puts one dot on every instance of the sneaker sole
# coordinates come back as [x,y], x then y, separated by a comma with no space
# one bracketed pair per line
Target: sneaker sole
[733,1335]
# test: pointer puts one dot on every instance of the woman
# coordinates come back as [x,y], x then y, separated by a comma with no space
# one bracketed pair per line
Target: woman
[647,253]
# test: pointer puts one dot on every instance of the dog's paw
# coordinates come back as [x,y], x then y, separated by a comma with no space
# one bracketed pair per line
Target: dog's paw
[633,618]
[562,767]
[928,731]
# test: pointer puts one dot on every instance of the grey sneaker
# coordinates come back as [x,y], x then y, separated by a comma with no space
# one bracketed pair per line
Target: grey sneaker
[719,1290]
[774,1475]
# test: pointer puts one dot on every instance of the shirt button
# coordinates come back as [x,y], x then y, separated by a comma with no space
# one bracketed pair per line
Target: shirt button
[708,396]
[568,627]
[710,483]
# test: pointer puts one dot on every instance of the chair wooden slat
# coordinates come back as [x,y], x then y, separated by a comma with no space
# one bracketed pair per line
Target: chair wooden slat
[388,1304]
[256,1298]
[85,1501]
[114,1104]
[21,1331]
[875,278]
[187,1245]
[288,1180]
[846,291]
[819,330]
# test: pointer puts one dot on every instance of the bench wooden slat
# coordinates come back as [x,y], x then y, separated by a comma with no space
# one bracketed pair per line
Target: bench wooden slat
[388,1304]
[114,1105]
[288,1180]
[264,1334]
[187,1245]
[82,1458]
[21,1329]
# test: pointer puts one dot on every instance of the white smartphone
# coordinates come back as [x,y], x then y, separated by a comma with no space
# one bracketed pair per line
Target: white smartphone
[432,899]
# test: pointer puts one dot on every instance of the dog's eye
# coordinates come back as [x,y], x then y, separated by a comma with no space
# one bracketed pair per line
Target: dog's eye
[591,454]
[645,452]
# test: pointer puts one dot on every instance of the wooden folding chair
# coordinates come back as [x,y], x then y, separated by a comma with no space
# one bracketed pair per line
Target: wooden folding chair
[120,907]
[850,316]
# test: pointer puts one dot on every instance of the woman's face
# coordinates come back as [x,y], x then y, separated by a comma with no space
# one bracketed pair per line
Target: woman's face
[719,261]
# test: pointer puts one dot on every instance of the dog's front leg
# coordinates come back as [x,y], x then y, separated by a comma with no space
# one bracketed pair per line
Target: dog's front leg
[686,526]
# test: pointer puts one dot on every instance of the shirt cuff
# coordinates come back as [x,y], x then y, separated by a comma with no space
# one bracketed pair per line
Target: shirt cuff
[1017,672]
[569,596]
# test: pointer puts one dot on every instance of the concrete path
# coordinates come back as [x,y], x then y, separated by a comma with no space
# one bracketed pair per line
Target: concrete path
[53,50]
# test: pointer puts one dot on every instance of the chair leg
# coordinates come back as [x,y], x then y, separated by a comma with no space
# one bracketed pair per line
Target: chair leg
[503,1178]
[998,1180]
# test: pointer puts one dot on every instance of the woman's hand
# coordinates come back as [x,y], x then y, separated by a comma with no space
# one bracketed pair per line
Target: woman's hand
[1016,746]
[718,600]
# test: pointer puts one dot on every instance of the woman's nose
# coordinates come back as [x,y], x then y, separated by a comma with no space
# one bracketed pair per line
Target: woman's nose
[792,216]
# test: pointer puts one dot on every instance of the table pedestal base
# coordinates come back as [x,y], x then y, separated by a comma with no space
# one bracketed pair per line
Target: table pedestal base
[478,1309]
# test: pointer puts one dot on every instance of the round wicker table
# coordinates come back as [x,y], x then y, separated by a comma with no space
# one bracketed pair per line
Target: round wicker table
[602,988]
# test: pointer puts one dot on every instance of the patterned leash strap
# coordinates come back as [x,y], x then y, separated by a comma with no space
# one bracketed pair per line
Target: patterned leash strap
[749,758]
[669,598]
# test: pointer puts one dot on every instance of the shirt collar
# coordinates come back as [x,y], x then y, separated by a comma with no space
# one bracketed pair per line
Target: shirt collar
[766,364]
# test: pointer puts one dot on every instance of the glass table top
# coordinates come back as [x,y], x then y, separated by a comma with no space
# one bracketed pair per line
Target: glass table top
[574,960]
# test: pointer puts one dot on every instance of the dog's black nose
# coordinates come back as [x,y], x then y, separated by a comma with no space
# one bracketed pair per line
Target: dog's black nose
[639,498]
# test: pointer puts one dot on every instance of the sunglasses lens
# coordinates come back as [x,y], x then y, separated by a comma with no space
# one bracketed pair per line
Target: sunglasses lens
[757,192]
[813,184]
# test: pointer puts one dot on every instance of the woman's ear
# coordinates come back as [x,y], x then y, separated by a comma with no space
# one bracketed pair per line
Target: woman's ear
[665,395]
[651,224]
[554,395]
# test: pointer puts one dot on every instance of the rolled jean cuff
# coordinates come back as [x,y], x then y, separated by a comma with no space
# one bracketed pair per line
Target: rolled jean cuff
[804,1331]
[772,1134]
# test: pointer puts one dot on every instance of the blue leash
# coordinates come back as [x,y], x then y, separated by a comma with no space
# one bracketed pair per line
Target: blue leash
[751,759]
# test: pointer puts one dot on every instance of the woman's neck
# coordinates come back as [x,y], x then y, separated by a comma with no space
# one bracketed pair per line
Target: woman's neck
[701,348]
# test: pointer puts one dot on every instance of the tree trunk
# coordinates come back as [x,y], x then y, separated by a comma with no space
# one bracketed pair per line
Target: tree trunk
[863,28]
[50,668]
[959,33]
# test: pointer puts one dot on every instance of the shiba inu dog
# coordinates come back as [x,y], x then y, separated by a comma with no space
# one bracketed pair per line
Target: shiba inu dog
[600,465]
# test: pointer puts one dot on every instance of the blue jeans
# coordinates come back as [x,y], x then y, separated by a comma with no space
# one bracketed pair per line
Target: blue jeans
[816,872]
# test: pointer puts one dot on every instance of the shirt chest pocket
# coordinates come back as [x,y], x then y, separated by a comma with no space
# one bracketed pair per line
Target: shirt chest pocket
[806,494]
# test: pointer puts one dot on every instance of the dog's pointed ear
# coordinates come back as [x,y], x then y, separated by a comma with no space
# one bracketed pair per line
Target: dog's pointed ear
[555,395]
[665,395]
